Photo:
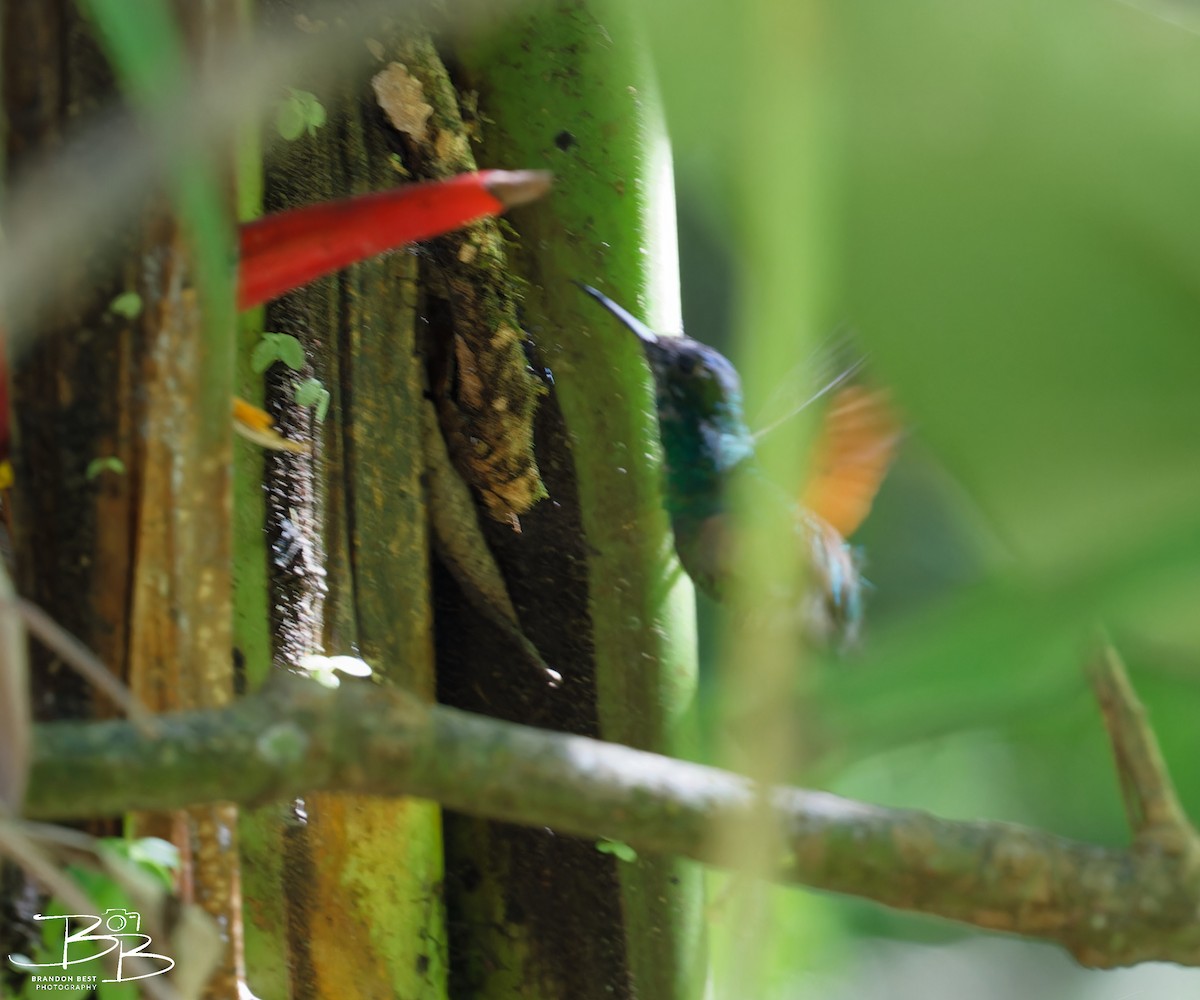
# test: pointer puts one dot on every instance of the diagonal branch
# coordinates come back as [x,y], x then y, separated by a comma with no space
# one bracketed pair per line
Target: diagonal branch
[1107,907]
[1154,811]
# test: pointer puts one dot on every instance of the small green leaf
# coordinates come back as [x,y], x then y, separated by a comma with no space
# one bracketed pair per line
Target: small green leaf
[298,112]
[110,463]
[153,851]
[263,356]
[289,120]
[277,347]
[291,351]
[151,854]
[316,117]
[127,304]
[312,393]
[617,848]
[308,392]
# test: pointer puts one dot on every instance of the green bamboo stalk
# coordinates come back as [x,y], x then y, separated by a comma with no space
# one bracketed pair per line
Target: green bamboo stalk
[568,86]
[261,831]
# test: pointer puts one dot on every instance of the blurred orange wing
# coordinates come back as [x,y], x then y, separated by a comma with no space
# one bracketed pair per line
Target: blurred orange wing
[858,437]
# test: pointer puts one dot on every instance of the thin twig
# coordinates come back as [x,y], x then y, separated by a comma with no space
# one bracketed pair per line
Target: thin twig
[16,713]
[85,663]
[1151,803]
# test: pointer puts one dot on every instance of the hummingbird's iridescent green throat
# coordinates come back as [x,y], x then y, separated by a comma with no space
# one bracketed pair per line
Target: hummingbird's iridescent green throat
[699,401]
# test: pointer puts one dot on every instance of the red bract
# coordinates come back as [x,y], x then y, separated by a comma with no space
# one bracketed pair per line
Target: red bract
[284,251]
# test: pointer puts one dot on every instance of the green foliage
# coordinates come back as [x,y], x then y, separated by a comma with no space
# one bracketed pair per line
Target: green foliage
[618,849]
[277,347]
[154,855]
[109,463]
[127,304]
[312,393]
[282,347]
[298,113]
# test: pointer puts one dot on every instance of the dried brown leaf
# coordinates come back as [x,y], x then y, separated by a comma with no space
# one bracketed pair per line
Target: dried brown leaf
[403,100]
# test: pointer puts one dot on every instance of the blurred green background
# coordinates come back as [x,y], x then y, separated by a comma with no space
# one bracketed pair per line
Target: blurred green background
[1009,209]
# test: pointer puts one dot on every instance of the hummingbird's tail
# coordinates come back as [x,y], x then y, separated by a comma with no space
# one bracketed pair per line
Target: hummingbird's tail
[834,603]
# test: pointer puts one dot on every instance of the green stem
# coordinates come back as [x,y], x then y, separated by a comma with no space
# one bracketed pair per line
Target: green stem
[568,87]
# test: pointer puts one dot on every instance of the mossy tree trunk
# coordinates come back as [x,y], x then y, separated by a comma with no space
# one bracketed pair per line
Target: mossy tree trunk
[344,892]
[570,87]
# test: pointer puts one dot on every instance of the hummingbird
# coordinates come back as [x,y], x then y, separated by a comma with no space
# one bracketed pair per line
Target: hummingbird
[707,443]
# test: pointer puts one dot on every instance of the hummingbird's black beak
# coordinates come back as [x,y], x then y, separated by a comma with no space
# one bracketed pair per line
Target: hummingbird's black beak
[640,330]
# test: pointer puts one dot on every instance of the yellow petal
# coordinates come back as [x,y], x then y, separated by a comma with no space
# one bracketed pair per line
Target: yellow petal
[255,424]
